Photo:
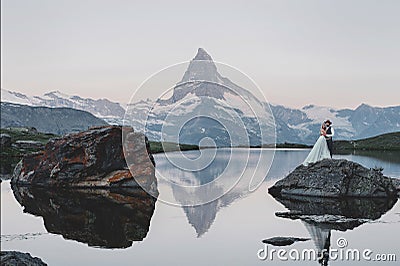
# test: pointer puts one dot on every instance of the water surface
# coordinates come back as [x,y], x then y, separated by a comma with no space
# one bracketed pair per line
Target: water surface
[125,228]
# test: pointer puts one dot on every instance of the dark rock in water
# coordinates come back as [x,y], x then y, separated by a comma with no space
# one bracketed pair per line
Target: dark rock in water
[5,141]
[335,222]
[336,214]
[92,158]
[283,241]
[335,178]
[12,258]
[107,218]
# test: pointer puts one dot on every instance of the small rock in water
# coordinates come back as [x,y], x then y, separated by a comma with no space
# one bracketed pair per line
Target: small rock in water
[283,241]
[12,258]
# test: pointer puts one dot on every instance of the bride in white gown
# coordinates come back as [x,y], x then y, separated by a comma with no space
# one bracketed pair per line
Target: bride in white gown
[320,150]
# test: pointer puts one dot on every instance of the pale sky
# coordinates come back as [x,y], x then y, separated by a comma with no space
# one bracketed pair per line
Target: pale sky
[333,53]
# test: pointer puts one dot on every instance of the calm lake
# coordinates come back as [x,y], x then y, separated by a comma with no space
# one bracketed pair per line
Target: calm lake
[103,228]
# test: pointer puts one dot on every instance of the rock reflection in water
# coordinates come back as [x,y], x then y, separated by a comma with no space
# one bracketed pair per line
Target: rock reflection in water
[98,217]
[322,215]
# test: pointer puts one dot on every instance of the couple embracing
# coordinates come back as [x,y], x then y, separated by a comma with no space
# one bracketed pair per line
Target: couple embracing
[324,146]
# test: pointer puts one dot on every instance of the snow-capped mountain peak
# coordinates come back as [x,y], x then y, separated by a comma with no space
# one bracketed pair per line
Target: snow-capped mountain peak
[202,55]
[210,104]
[202,67]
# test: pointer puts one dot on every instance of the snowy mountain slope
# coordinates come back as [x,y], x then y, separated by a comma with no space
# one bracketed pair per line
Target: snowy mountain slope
[16,97]
[101,108]
[302,125]
[318,114]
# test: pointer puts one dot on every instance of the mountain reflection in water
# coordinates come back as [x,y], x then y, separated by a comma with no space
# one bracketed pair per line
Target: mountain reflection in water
[235,167]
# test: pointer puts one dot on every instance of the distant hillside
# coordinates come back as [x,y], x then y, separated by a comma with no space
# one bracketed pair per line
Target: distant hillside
[58,121]
[389,142]
[157,147]
[16,142]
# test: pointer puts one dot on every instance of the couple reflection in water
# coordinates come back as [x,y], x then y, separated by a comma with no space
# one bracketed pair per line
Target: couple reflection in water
[322,241]
[322,216]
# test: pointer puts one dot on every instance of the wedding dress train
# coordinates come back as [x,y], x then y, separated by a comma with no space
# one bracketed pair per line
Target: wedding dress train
[319,152]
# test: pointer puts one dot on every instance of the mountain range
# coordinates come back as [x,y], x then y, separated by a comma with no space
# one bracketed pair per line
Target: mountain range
[202,90]
[58,121]
[101,108]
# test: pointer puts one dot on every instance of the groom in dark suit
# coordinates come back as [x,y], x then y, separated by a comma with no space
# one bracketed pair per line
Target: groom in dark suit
[330,132]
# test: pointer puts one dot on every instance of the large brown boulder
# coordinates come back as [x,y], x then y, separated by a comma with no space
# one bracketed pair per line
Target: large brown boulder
[335,178]
[92,158]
